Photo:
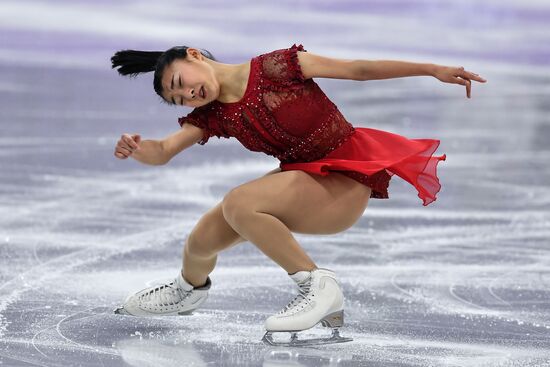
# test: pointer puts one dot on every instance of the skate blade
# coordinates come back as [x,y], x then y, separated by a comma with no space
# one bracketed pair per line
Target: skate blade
[122,311]
[295,342]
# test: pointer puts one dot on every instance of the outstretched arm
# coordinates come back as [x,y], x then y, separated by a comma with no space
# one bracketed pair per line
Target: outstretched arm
[313,65]
[387,69]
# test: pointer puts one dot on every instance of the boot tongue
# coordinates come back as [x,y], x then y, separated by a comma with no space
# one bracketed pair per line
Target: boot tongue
[300,276]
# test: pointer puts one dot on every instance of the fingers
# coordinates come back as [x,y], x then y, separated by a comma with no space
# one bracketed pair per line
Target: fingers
[460,76]
[126,145]
[465,78]
[470,75]
[467,83]
[120,155]
[473,76]
[122,152]
[128,140]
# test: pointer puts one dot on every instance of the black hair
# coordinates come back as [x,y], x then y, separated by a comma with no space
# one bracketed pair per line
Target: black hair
[133,62]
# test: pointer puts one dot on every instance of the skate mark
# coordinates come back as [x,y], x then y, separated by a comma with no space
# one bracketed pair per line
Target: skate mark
[416,298]
[490,288]
[465,301]
[399,288]
[97,343]
[57,266]
[58,328]
[515,318]
[95,349]
[34,254]
[21,359]
[34,344]
[511,317]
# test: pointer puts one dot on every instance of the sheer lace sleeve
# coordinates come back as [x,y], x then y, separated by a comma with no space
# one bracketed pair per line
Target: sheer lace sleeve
[204,120]
[282,66]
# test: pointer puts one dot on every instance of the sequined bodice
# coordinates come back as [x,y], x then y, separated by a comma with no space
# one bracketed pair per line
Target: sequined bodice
[281,114]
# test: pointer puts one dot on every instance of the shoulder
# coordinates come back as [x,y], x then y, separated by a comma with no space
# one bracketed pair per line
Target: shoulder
[282,66]
[199,116]
[205,118]
[281,55]
[296,63]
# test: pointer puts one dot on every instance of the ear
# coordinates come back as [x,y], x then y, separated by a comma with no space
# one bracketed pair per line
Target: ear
[194,53]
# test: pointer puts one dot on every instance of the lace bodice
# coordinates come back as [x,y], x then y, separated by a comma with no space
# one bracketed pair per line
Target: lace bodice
[281,114]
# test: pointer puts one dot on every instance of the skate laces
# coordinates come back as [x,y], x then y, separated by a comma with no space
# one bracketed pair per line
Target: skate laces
[304,290]
[166,294]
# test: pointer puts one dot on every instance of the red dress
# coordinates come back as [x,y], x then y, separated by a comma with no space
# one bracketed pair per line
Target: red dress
[284,115]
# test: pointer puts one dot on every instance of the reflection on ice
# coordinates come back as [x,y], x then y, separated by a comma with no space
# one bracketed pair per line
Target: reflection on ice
[158,353]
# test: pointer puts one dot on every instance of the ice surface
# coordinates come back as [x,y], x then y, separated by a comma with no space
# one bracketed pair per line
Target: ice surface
[462,282]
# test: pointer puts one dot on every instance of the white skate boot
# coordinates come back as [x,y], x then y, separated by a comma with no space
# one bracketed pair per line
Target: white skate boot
[320,300]
[175,298]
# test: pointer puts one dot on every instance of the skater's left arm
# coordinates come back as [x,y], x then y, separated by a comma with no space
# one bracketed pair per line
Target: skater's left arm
[313,65]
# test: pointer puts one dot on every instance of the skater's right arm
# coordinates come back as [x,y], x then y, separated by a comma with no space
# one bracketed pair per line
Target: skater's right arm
[185,137]
[157,152]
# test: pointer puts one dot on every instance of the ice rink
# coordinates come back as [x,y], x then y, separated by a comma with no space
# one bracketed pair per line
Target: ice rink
[464,281]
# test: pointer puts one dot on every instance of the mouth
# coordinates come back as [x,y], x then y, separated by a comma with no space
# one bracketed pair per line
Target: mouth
[203,92]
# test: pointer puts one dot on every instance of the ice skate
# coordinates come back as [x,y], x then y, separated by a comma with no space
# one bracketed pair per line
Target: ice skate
[320,300]
[171,299]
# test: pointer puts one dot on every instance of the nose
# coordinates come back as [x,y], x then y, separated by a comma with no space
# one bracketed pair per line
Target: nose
[192,93]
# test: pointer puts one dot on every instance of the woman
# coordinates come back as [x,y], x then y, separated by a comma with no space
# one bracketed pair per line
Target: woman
[328,168]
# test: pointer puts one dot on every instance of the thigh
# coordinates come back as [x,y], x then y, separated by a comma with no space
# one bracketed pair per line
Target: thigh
[306,203]
[212,232]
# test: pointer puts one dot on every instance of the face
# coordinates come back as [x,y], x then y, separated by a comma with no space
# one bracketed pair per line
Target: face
[185,81]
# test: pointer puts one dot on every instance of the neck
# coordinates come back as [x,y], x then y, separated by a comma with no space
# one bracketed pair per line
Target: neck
[230,78]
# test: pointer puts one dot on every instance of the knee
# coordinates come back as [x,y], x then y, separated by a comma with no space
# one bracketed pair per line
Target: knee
[235,206]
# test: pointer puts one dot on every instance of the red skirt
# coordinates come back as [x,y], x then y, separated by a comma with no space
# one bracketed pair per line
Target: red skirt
[372,156]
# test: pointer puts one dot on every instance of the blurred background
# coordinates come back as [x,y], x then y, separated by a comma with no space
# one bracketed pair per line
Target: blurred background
[463,281]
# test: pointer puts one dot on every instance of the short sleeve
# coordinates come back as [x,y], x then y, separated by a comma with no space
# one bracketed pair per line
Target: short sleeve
[203,119]
[282,66]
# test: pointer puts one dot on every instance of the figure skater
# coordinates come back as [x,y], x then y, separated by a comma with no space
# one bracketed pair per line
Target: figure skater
[328,168]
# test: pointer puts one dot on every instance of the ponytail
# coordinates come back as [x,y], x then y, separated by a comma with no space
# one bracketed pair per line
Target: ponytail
[134,62]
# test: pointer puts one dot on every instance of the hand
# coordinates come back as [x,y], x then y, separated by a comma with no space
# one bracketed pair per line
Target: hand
[126,145]
[457,75]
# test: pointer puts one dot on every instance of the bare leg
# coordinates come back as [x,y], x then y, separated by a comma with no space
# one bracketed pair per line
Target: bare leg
[196,268]
[211,235]
[273,238]
[266,210]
